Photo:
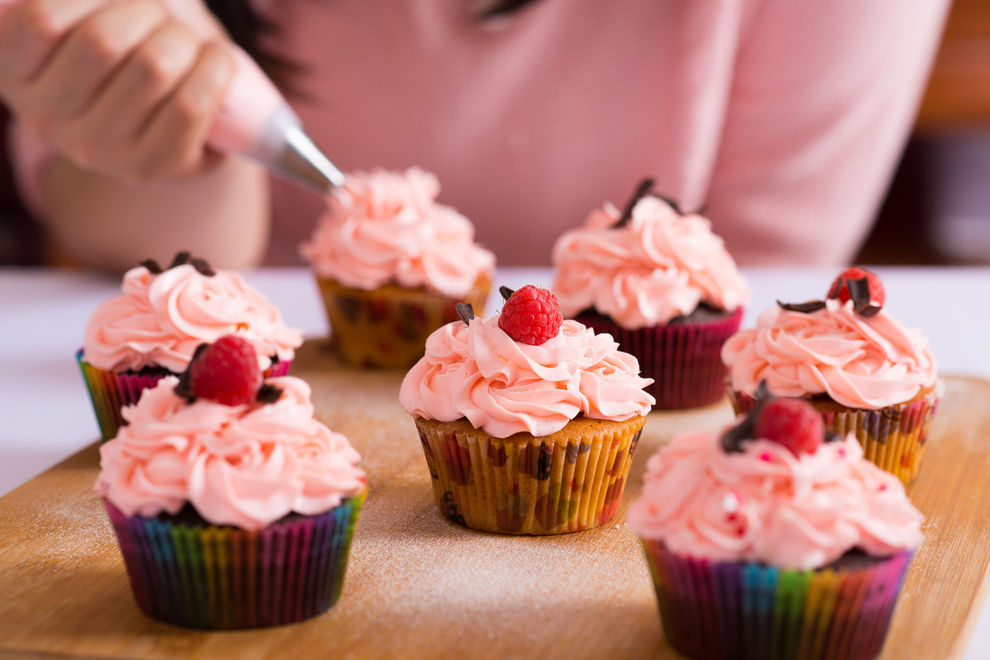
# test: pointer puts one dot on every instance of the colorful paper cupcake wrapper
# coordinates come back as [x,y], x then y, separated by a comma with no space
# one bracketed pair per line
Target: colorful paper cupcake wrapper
[730,610]
[387,327]
[207,576]
[533,486]
[893,438]
[684,360]
[110,391]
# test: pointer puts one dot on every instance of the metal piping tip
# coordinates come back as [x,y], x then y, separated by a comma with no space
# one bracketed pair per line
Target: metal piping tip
[303,163]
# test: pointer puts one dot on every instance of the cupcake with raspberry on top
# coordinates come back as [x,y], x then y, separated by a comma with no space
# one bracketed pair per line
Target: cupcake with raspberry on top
[232,505]
[529,423]
[858,366]
[391,262]
[659,281]
[775,539]
[153,327]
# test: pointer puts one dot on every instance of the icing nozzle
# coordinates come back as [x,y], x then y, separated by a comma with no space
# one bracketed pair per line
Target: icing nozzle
[302,162]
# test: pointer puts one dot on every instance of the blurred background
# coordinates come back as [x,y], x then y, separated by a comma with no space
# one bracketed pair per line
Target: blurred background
[937,209]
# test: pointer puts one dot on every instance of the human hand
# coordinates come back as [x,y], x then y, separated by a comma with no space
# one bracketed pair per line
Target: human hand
[119,87]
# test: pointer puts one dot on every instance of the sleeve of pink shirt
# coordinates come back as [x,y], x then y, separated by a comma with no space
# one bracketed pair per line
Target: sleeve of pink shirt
[822,98]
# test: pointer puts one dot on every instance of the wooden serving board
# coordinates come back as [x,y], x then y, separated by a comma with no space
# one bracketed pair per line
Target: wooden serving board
[420,587]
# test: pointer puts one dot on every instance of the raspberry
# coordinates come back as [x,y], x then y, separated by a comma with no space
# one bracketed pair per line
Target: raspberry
[531,315]
[840,288]
[792,423]
[226,371]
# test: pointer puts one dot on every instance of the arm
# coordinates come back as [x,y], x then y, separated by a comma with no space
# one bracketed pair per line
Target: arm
[124,95]
[823,98]
[103,222]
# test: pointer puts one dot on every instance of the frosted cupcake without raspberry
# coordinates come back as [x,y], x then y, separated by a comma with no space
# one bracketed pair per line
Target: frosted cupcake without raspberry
[774,538]
[391,262]
[152,329]
[220,486]
[529,423]
[855,363]
[659,281]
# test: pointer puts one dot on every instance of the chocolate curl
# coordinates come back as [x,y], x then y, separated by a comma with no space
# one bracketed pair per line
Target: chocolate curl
[269,393]
[804,308]
[465,311]
[181,258]
[506,292]
[733,438]
[832,436]
[153,266]
[203,267]
[859,291]
[183,389]
[642,190]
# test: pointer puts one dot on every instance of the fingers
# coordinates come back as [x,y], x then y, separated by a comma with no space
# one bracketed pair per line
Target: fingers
[30,31]
[124,106]
[173,142]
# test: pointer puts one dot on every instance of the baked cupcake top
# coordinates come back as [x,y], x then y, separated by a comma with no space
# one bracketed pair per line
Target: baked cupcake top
[246,465]
[850,350]
[646,265]
[162,315]
[532,381]
[387,228]
[763,492]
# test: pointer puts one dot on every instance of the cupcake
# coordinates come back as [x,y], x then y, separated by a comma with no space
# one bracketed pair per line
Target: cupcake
[391,263]
[857,365]
[153,327]
[775,539]
[661,283]
[529,423]
[232,506]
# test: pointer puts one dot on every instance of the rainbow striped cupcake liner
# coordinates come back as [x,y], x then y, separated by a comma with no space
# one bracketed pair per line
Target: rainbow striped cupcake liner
[533,486]
[205,576]
[893,438]
[684,360]
[387,327]
[730,610]
[111,391]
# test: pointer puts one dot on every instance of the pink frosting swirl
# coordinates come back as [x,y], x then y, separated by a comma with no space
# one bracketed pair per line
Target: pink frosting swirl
[245,466]
[765,504]
[860,362]
[386,227]
[503,386]
[658,266]
[159,320]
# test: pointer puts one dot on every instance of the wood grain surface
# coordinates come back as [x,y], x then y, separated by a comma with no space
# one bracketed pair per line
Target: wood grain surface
[420,587]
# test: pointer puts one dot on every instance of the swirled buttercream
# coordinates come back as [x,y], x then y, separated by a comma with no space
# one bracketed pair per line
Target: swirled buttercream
[858,361]
[159,320]
[502,386]
[657,266]
[765,504]
[246,466]
[386,227]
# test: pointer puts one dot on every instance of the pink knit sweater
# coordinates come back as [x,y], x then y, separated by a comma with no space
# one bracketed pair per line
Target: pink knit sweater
[784,119]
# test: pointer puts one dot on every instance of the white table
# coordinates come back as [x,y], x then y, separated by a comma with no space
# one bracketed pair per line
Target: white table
[47,416]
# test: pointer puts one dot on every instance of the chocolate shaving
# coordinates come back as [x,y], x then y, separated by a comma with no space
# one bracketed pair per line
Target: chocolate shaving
[642,190]
[869,310]
[183,388]
[506,292]
[733,438]
[465,311]
[269,393]
[181,258]
[832,436]
[202,267]
[859,291]
[763,391]
[804,308]
[153,266]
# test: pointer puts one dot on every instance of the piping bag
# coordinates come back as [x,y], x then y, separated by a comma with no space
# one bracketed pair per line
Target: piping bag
[255,120]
